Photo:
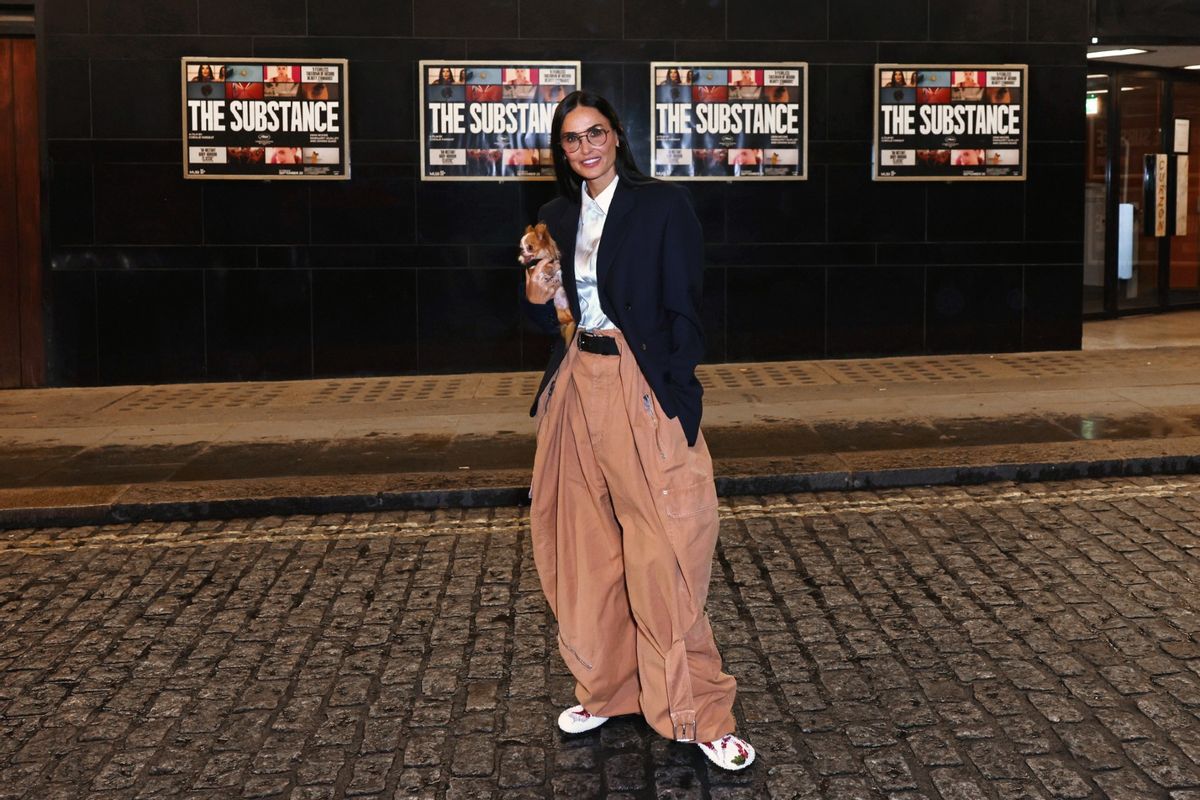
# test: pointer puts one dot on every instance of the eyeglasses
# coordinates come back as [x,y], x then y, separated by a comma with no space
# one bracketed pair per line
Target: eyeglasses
[596,137]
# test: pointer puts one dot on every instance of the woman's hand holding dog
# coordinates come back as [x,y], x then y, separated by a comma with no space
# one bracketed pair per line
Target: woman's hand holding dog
[539,281]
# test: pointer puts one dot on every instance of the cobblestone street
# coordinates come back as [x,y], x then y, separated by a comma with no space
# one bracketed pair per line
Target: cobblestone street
[1002,641]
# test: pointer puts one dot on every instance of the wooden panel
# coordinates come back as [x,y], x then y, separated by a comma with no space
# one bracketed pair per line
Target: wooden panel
[10,308]
[29,226]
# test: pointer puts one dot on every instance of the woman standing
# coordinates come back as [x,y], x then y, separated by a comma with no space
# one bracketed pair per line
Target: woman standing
[624,509]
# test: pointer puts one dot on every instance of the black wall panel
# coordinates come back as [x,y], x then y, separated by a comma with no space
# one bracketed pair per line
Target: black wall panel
[981,304]
[364,321]
[258,323]
[873,309]
[1146,19]
[150,325]
[153,278]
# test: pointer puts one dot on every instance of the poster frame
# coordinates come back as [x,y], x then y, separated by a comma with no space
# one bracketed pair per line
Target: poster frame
[423,144]
[801,65]
[1024,70]
[344,146]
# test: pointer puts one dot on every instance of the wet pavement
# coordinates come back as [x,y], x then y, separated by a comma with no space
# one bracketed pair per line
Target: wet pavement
[69,456]
[1002,641]
[32,465]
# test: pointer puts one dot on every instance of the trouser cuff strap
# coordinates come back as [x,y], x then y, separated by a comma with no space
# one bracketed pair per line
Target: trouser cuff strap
[683,726]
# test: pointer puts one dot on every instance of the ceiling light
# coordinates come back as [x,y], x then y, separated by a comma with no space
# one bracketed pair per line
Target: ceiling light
[1102,75]
[1128,51]
[1193,66]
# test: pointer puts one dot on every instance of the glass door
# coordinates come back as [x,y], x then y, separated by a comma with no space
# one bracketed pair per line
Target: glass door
[1183,280]
[1094,195]
[1140,112]
[1132,113]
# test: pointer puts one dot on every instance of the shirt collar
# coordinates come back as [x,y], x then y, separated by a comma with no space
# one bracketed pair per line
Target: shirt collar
[604,200]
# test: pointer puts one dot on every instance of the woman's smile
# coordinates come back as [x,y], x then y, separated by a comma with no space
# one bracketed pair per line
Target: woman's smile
[596,164]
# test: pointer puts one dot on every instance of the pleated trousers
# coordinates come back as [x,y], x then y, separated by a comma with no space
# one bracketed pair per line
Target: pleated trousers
[624,523]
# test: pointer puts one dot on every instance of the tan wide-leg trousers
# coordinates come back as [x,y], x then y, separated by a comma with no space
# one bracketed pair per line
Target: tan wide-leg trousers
[624,522]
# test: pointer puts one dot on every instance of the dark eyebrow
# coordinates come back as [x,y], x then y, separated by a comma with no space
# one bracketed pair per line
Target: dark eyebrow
[585,130]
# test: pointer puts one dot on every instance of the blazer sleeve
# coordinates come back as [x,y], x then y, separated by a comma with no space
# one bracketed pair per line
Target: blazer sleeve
[540,317]
[683,289]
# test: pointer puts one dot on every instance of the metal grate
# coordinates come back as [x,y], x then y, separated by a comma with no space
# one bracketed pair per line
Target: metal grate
[765,375]
[1045,366]
[511,384]
[887,370]
[1061,364]
[735,377]
[390,390]
[397,390]
[201,396]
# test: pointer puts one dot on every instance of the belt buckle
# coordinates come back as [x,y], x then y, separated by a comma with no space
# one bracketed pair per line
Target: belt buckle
[684,731]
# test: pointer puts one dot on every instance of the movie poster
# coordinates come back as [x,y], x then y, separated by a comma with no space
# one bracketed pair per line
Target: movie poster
[490,120]
[259,119]
[729,121]
[950,123]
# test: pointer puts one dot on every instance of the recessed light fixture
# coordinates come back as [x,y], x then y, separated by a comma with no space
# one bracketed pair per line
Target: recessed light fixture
[1128,51]
[1095,40]
[1193,66]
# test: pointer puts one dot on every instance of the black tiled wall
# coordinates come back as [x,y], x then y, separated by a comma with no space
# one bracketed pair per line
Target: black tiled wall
[154,278]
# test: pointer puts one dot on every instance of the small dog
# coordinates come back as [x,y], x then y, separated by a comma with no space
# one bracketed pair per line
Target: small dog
[536,245]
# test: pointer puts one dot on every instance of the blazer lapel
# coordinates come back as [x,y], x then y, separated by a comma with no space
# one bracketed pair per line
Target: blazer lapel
[614,230]
[568,228]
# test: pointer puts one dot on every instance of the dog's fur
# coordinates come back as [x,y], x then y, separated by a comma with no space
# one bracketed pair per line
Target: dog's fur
[536,245]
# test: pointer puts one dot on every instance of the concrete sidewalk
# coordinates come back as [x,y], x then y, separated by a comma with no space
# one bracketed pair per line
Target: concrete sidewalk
[185,451]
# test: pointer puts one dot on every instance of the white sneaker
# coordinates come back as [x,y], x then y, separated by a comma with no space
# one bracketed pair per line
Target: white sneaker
[729,752]
[576,719]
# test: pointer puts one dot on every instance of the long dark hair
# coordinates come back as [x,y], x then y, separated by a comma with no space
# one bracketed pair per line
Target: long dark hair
[568,182]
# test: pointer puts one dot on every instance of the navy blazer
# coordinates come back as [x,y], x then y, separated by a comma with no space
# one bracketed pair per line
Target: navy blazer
[650,272]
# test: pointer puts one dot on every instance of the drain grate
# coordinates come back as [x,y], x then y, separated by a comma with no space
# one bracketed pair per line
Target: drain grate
[395,390]
[923,370]
[189,397]
[764,375]
[1046,366]
[1086,362]
[506,385]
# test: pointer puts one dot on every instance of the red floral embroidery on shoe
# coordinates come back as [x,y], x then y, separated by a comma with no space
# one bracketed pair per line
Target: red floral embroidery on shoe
[742,755]
[742,752]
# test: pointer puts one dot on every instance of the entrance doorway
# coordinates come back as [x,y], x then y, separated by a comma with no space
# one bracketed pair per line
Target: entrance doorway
[22,361]
[1135,108]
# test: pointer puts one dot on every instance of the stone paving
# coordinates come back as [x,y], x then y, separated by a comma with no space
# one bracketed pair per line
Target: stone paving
[1002,641]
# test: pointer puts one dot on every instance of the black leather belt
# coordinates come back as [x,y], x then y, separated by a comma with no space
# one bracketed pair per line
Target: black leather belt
[600,345]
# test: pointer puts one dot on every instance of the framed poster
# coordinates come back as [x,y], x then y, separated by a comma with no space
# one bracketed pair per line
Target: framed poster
[254,119]
[726,121]
[959,122]
[490,120]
